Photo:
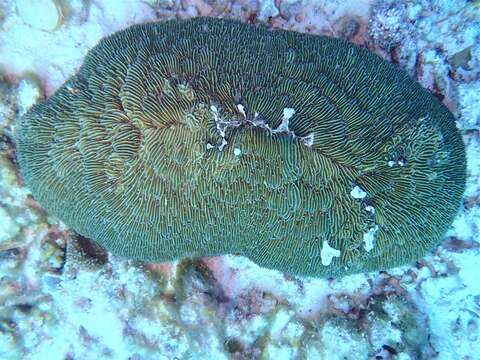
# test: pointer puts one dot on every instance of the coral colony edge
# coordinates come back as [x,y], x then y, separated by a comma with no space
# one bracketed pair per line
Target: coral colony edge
[200,137]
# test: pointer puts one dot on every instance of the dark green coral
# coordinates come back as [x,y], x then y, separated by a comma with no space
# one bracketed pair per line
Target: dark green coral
[207,136]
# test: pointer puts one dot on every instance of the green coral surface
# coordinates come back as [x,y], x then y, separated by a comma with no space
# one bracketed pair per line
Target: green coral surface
[187,138]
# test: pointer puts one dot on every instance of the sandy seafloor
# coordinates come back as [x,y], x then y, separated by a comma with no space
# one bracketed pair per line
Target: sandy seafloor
[62,299]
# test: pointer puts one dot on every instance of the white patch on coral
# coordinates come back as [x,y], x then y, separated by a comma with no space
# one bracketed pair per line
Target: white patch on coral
[308,140]
[241,109]
[358,193]
[369,238]
[214,111]
[283,127]
[237,151]
[400,162]
[370,209]
[328,253]
[288,113]
[223,144]
[222,124]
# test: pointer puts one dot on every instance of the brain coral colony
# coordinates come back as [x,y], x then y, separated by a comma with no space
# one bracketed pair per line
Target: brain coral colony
[201,137]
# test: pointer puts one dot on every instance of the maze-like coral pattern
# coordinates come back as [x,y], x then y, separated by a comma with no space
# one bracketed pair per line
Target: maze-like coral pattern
[201,137]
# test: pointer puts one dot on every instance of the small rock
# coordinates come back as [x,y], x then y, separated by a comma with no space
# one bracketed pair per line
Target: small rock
[40,14]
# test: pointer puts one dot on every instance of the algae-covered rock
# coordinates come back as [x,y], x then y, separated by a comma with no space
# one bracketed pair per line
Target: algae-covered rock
[201,137]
